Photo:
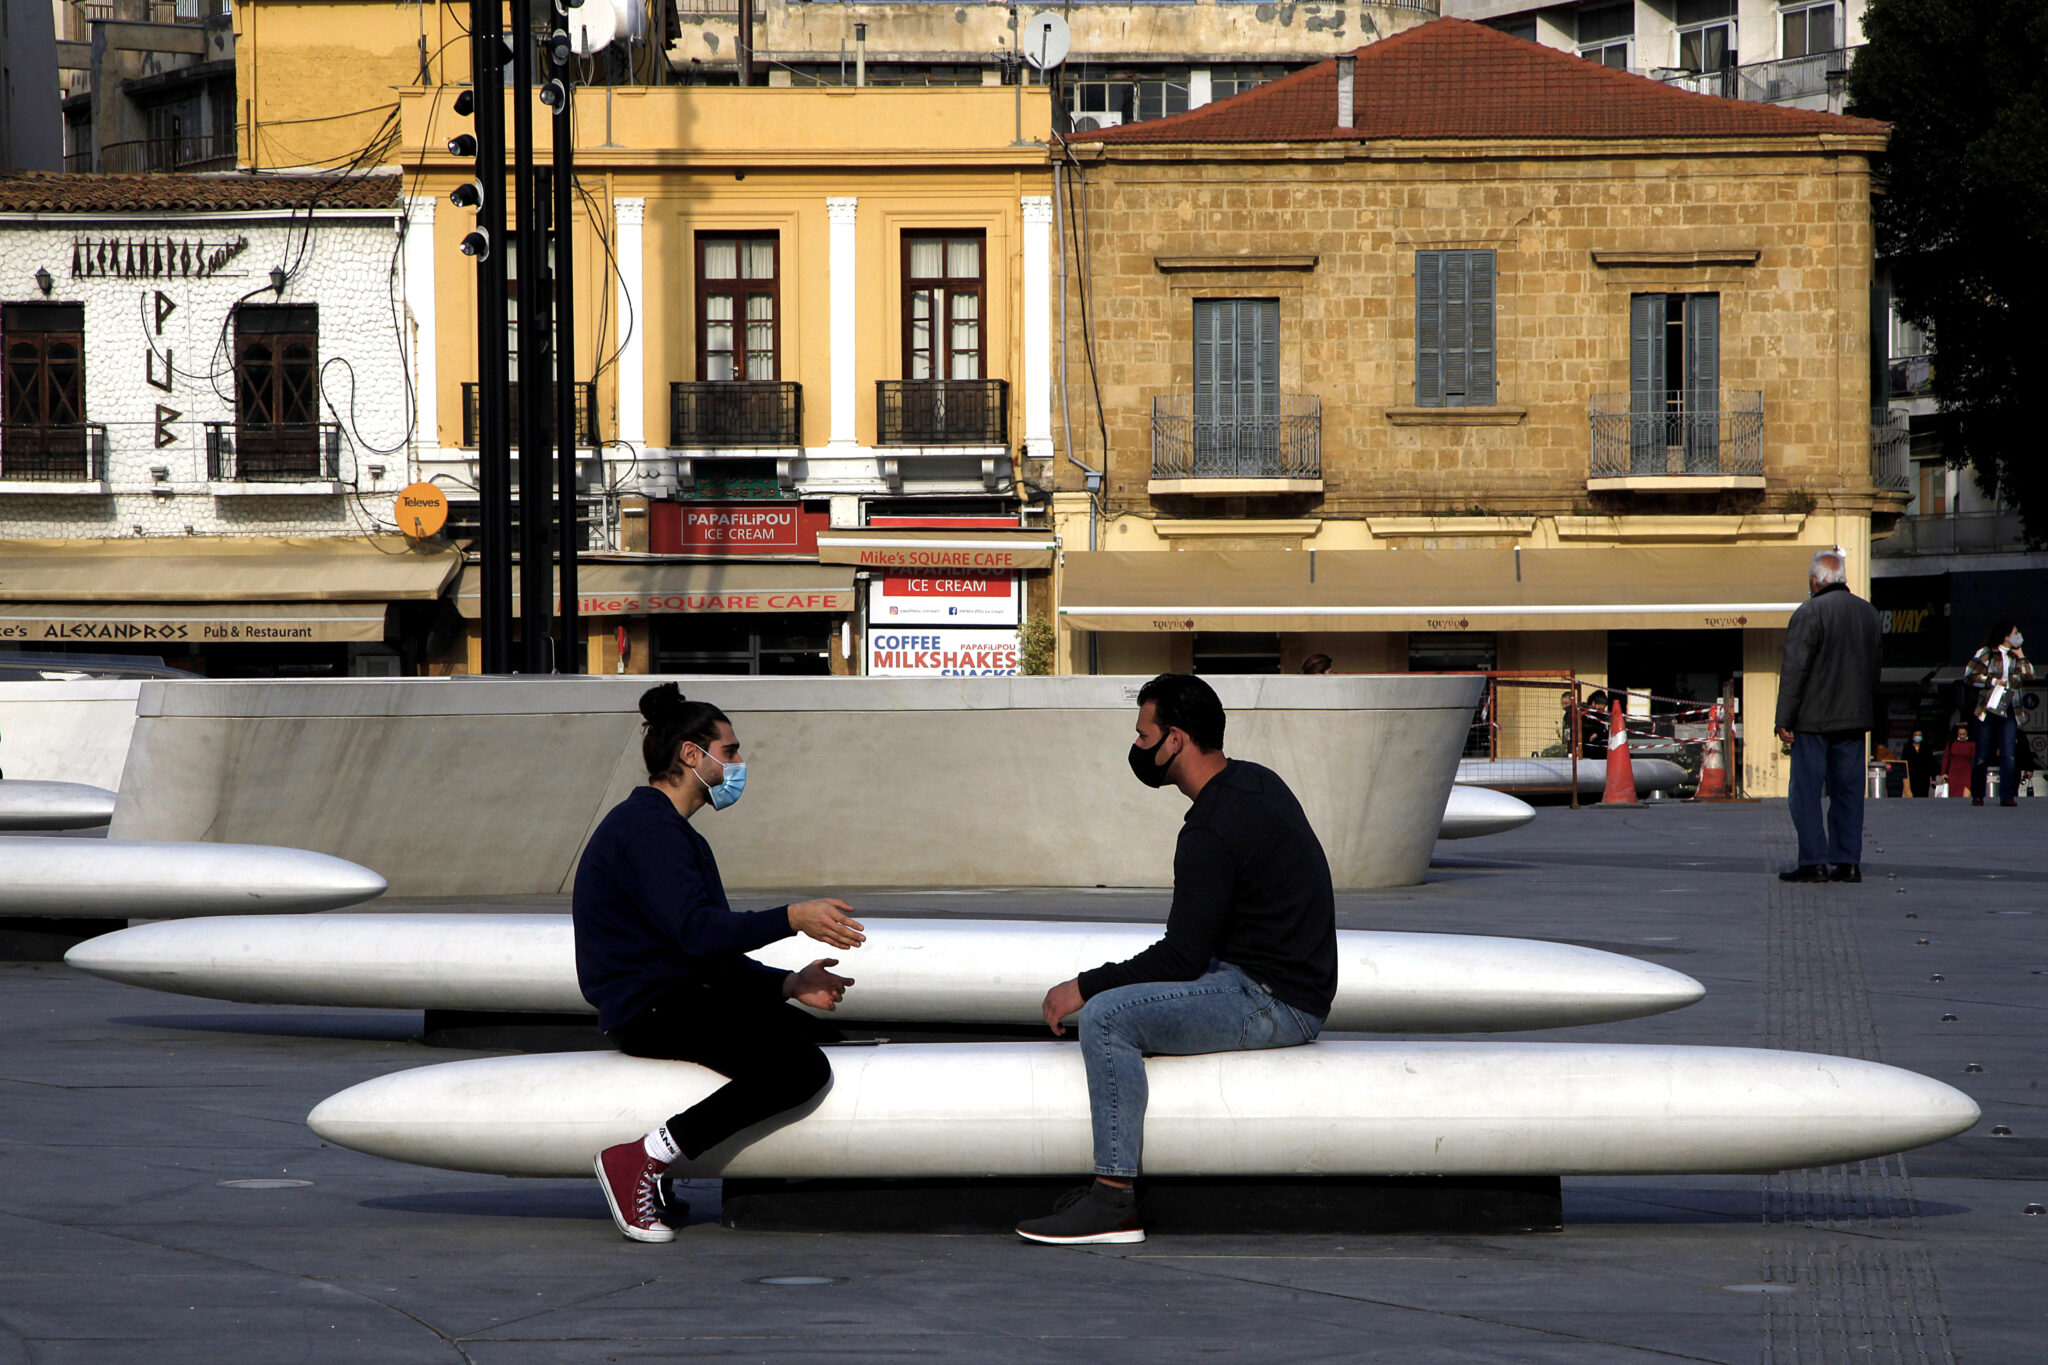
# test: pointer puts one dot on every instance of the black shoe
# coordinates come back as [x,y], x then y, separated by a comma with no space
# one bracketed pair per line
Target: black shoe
[1976,800]
[1806,872]
[1845,872]
[1090,1216]
[2009,801]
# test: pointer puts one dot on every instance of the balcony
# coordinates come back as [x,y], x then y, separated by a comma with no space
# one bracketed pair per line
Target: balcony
[167,155]
[942,412]
[65,458]
[307,454]
[1196,452]
[735,413]
[1891,452]
[1714,441]
[586,415]
[1816,76]
[1968,533]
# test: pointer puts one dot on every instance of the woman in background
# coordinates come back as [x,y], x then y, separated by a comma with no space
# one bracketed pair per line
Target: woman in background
[1996,672]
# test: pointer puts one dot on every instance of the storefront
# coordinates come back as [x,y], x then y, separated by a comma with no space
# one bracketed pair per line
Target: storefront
[945,595]
[230,607]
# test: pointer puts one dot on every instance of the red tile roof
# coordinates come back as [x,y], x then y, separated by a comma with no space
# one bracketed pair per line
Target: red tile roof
[1455,79]
[44,192]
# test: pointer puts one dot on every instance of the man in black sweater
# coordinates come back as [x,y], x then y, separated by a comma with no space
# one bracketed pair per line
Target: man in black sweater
[1249,959]
[1834,656]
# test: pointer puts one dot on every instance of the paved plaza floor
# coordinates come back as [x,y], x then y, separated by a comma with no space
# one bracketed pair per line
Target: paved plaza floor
[162,1201]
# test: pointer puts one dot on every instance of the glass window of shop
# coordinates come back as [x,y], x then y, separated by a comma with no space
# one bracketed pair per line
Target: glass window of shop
[796,645]
[1229,651]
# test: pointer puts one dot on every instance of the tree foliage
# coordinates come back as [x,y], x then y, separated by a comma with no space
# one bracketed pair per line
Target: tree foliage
[1963,220]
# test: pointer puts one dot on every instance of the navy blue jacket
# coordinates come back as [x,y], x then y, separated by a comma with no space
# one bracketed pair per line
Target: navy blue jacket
[651,914]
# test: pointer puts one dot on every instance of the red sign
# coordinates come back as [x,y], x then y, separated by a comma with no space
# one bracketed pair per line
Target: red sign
[734,528]
[964,583]
[663,603]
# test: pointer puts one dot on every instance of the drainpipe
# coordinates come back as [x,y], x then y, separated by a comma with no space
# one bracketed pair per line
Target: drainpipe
[1345,102]
[860,54]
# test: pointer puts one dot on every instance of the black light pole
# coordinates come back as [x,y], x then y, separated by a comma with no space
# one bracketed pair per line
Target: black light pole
[536,586]
[569,659]
[494,461]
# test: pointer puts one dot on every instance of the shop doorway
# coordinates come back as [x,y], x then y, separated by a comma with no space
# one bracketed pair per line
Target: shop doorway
[1680,669]
[1221,652]
[796,645]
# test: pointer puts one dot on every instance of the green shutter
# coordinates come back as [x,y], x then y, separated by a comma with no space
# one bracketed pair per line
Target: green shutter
[1205,358]
[1429,329]
[1646,383]
[1457,333]
[1703,383]
[1480,388]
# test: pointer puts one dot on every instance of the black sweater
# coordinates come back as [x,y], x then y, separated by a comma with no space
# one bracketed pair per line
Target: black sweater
[1251,887]
[651,914]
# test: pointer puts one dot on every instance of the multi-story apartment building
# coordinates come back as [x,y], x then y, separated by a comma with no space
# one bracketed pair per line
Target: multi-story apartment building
[1465,352]
[148,85]
[1790,52]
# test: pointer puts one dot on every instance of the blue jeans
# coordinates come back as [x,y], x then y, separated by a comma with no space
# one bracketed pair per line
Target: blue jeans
[1833,760]
[2001,733]
[1223,1010]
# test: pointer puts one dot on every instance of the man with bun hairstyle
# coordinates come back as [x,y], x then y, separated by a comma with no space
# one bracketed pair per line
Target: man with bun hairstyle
[1249,959]
[663,957]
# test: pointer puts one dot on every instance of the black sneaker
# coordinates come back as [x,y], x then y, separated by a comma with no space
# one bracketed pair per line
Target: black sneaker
[1090,1216]
[1845,872]
[1806,872]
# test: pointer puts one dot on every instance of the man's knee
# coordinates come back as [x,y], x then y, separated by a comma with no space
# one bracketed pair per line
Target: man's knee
[801,1075]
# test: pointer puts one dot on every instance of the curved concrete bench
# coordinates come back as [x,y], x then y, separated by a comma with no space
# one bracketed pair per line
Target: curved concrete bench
[910,971]
[131,879]
[54,805]
[1474,812]
[966,1110]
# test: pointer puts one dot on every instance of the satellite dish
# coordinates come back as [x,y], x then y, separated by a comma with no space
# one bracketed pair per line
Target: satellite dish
[1045,41]
[422,510]
[593,27]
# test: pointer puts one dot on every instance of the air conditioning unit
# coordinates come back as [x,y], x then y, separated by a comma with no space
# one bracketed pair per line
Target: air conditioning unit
[1091,121]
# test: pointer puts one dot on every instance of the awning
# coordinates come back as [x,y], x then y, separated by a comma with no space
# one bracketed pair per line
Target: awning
[1624,588]
[197,623]
[225,569]
[992,547]
[662,587]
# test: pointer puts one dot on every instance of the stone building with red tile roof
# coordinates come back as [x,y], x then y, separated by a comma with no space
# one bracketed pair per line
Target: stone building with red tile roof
[1459,351]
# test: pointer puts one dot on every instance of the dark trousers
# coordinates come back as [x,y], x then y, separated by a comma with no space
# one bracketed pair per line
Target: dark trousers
[766,1049]
[1999,734]
[1834,762]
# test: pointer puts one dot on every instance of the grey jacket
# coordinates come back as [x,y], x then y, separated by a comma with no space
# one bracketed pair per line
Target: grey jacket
[1833,650]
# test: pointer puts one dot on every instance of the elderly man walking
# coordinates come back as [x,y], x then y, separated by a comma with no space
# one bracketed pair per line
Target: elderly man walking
[1826,705]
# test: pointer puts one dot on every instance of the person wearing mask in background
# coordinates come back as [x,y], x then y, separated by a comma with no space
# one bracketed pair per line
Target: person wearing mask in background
[1249,960]
[1957,760]
[1827,689]
[1919,761]
[662,956]
[1996,672]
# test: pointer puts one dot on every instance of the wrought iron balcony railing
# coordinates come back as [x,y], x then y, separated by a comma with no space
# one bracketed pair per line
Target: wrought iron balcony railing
[736,412]
[942,412]
[1707,433]
[151,155]
[1891,451]
[283,452]
[586,415]
[74,453]
[1190,441]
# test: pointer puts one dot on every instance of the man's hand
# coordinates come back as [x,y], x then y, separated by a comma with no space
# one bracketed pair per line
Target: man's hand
[828,921]
[815,986]
[1785,735]
[1061,1001]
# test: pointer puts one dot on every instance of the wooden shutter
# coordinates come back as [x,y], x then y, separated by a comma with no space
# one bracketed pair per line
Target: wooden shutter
[1457,328]
[1480,386]
[1703,351]
[1646,383]
[1429,329]
[1205,357]
[1267,322]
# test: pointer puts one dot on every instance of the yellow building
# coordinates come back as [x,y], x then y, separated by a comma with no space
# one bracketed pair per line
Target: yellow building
[800,312]
[1462,352]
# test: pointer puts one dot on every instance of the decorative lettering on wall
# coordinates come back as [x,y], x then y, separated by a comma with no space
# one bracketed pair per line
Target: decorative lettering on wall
[164,308]
[153,258]
[164,417]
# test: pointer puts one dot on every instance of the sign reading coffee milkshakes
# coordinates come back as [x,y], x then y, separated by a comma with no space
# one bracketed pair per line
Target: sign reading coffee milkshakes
[940,652]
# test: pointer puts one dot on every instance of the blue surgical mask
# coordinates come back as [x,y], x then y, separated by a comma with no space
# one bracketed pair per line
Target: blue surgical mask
[728,787]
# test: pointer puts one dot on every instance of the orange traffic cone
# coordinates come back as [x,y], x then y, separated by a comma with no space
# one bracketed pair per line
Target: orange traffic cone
[1621,775]
[1713,768]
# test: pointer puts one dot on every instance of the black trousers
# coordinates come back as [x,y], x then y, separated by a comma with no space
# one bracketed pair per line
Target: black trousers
[766,1048]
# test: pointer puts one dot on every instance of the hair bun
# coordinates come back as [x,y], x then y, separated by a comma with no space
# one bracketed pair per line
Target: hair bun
[662,703]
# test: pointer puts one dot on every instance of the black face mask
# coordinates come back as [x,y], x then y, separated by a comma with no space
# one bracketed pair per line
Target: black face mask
[1145,764]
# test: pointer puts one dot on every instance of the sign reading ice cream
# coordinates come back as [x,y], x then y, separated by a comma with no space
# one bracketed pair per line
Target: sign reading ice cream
[941,653]
[958,598]
[734,528]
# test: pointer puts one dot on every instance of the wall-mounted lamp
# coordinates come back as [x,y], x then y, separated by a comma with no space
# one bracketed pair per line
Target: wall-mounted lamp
[43,280]
[376,471]
[277,280]
[160,472]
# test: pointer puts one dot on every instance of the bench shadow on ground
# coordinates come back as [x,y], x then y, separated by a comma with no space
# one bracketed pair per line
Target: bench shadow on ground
[393,1026]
